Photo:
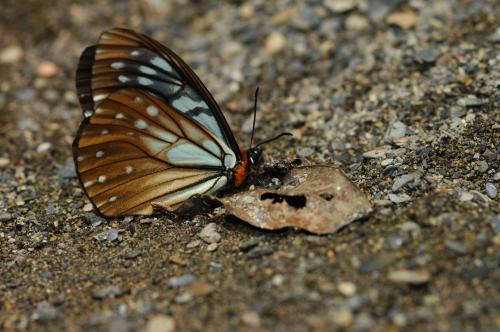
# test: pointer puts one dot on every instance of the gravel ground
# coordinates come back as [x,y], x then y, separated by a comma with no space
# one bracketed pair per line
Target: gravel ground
[402,95]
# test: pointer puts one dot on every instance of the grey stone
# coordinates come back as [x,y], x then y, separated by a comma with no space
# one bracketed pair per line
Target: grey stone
[45,312]
[209,234]
[491,190]
[401,181]
[456,247]
[397,130]
[111,291]
[495,224]
[181,281]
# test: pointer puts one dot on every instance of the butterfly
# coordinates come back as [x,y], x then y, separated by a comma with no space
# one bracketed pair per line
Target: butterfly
[152,134]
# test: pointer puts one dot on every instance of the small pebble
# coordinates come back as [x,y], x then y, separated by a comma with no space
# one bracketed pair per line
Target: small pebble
[409,226]
[471,102]
[44,147]
[88,207]
[404,19]
[181,281]
[375,154]
[249,244]
[304,152]
[209,234]
[495,223]
[363,322]
[347,288]
[483,166]
[68,171]
[5,216]
[399,198]
[395,242]
[466,196]
[343,317]
[251,319]
[428,55]
[200,289]
[212,247]
[11,54]
[160,323]
[376,262]
[193,244]
[108,235]
[184,298]
[397,131]
[409,276]
[275,42]
[340,6]
[4,162]
[47,69]
[133,254]
[491,190]
[456,247]
[111,291]
[386,162]
[45,312]
[401,181]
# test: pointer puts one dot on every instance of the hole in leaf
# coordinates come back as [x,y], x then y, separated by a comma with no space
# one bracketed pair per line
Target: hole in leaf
[297,202]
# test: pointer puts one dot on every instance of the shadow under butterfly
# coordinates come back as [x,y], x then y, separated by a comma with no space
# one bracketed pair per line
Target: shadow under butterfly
[152,134]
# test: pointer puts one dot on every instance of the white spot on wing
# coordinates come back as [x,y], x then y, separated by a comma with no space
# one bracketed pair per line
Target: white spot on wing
[88,184]
[99,154]
[141,124]
[128,169]
[80,158]
[101,179]
[119,116]
[117,65]
[123,79]
[112,199]
[152,110]
[88,113]
[144,81]
[98,111]
[104,132]
[147,70]
[159,62]
[190,154]
[135,53]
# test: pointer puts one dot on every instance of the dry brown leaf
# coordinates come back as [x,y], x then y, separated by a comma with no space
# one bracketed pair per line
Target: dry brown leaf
[319,199]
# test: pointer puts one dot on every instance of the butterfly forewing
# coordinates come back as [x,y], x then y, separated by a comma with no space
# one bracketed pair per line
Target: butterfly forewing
[126,59]
[136,150]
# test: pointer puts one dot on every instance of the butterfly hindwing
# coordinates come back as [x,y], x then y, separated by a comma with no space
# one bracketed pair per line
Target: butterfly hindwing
[136,150]
[126,59]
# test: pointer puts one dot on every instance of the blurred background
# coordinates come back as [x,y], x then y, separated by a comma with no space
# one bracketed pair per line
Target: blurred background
[401,94]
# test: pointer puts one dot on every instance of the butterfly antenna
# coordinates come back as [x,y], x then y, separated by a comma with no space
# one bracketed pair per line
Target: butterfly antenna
[254,114]
[274,138]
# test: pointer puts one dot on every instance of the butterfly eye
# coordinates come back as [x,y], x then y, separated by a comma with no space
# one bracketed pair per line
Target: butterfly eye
[152,134]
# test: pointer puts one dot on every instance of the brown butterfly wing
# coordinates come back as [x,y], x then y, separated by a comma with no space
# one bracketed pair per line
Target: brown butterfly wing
[136,150]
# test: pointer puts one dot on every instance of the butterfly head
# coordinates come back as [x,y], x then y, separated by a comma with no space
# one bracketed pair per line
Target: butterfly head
[254,155]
